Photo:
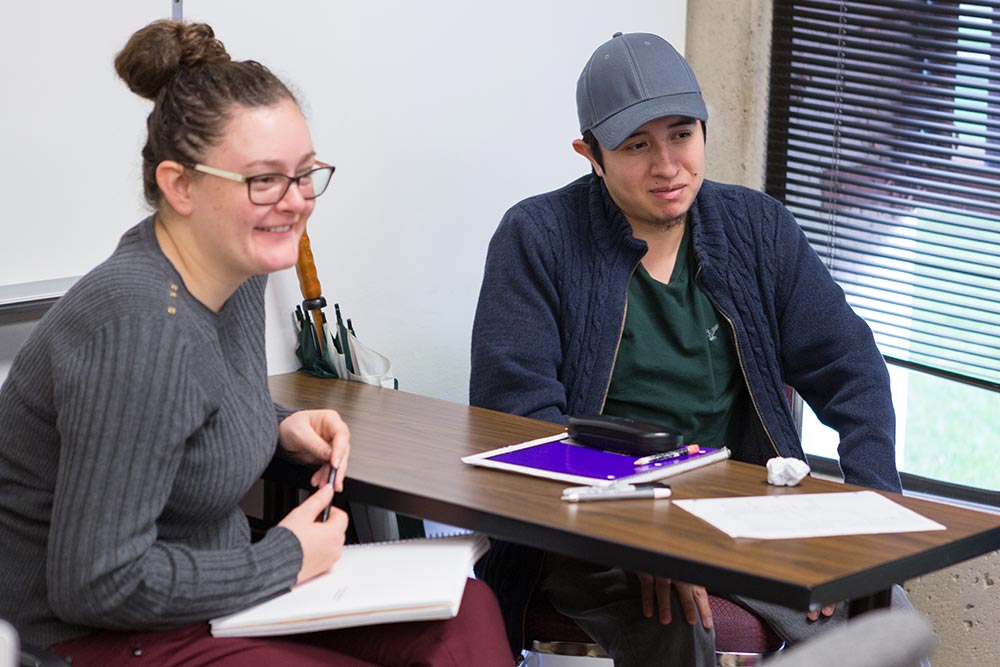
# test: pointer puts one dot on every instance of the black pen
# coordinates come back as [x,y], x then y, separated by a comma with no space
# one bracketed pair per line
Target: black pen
[687,450]
[326,511]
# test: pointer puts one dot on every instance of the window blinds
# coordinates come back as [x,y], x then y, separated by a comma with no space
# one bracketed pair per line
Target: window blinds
[884,141]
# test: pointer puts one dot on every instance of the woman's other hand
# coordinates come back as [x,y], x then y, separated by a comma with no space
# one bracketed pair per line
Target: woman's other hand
[322,541]
[318,437]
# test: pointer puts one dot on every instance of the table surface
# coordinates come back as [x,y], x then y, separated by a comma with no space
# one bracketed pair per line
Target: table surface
[405,456]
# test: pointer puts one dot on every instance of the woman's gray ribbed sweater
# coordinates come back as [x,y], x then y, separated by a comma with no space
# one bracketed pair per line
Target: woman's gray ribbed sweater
[131,424]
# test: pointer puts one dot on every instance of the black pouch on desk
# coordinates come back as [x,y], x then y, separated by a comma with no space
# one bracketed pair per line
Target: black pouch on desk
[619,434]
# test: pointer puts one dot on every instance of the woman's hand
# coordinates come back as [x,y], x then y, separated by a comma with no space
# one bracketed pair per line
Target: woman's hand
[318,437]
[322,541]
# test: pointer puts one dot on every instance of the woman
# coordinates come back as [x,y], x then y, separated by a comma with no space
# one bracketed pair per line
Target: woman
[138,415]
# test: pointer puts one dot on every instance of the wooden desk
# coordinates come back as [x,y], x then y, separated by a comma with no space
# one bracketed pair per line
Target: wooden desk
[405,457]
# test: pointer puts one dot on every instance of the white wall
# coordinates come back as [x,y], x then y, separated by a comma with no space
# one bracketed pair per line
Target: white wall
[438,115]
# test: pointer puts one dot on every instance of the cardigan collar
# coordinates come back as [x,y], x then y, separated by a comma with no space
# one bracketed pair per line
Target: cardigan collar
[612,231]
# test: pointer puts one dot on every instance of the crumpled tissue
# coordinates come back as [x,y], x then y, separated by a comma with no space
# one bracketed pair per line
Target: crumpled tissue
[786,471]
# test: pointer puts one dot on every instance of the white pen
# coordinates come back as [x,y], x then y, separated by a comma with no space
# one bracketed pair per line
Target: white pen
[599,493]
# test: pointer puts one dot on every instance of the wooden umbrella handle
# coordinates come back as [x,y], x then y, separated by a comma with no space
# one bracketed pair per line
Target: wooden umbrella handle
[312,293]
[305,269]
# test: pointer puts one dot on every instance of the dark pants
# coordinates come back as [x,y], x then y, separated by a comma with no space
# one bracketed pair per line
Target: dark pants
[605,603]
[474,637]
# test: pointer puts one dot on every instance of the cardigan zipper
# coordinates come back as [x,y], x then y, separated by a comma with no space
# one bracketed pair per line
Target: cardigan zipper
[739,356]
[621,330]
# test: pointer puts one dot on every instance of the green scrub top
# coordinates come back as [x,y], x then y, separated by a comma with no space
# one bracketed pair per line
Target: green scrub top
[677,364]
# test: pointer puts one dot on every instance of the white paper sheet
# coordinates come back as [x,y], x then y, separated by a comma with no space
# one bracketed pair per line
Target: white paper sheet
[790,516]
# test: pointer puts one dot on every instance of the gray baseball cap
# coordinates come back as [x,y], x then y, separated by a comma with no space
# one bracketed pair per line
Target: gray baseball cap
[633,79]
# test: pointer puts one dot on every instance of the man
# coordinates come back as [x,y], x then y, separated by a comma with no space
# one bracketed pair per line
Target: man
[644,290]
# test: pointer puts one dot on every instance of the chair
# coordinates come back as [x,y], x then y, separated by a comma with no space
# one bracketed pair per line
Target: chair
[8,645]
[32,656]
[15,654]
[741,638]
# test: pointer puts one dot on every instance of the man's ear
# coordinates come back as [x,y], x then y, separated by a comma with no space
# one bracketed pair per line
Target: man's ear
[581,147]
[173,181]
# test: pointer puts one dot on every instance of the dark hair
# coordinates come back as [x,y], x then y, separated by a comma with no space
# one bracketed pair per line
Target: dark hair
[595,146]
[194,85]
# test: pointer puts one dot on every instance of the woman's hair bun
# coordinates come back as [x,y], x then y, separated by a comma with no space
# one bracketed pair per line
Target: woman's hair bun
[154,54]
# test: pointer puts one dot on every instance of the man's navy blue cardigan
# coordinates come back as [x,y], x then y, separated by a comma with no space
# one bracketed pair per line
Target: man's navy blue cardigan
[552,307]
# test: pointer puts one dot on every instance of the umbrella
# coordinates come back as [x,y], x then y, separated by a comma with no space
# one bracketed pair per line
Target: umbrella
[312,347]
[335,351]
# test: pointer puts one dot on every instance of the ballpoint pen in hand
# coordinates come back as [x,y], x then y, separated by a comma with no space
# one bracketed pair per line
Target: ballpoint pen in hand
[326,510]
[687,450]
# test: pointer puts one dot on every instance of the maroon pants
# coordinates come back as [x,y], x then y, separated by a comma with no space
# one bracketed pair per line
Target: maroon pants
[474,637]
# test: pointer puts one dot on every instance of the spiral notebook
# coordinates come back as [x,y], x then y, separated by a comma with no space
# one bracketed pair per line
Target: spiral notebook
[558,457]
[421,579]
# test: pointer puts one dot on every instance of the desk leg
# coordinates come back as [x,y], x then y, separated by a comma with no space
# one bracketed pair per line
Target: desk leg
[879,600]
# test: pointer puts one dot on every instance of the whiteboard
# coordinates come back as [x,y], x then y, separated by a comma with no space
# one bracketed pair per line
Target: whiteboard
[70,135]
[439,115]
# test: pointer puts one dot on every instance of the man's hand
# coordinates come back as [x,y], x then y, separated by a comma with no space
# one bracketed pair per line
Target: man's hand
[656,595]
[318,437]
[825,611]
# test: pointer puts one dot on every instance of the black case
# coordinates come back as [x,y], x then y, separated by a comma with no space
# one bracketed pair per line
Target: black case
[619,434]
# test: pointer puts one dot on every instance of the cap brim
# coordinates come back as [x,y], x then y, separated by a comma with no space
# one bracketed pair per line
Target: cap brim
[615,130]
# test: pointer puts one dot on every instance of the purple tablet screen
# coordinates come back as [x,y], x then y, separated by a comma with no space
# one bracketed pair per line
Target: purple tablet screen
[564,457]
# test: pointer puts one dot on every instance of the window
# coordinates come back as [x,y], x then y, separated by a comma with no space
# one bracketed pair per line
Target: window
[884,141]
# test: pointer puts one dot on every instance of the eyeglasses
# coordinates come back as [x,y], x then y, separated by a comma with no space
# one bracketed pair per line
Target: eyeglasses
[269,189]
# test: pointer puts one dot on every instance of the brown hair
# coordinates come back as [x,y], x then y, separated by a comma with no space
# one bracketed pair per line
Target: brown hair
[194,85]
